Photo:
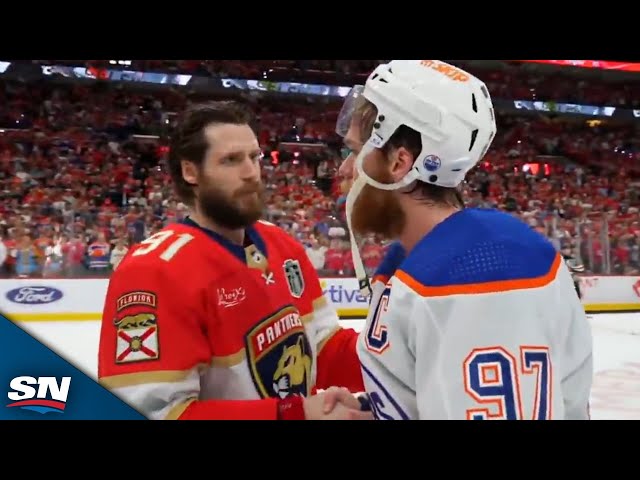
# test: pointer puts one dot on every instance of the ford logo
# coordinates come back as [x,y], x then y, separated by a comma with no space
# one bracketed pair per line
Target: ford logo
[34,295]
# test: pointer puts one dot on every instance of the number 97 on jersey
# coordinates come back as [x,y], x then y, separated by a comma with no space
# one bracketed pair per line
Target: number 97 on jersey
[499,382]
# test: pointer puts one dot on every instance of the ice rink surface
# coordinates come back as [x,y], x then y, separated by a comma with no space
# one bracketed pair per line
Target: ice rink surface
[616,389]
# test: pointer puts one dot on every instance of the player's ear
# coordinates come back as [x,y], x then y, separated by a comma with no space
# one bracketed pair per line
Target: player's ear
[189,172]
[401,162]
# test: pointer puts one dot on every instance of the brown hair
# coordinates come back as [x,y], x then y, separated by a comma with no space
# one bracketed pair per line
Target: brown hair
[410,139]
[188,141]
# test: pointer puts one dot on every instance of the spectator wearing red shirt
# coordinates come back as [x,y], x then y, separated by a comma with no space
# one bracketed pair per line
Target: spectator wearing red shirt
[372,253]
[76,250]
[334,258]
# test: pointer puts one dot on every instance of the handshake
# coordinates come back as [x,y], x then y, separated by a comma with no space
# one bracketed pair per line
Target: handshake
[335,403]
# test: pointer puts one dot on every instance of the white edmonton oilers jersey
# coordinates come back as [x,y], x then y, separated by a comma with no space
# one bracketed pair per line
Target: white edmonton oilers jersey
[480,321]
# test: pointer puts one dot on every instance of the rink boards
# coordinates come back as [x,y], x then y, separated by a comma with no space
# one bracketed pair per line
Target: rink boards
[46,300]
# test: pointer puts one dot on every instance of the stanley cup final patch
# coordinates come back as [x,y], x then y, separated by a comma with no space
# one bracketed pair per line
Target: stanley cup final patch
[137,337]
[295,279]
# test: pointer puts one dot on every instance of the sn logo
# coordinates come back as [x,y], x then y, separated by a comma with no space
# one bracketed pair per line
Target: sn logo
[28,398]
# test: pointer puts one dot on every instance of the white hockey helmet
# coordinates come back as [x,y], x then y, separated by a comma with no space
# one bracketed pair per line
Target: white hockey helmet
[450,108]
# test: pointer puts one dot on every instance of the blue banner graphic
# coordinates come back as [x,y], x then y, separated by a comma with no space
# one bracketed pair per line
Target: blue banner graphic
[37,384]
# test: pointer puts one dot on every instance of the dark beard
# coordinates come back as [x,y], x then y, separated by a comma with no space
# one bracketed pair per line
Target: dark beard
[222,211]
[378,211]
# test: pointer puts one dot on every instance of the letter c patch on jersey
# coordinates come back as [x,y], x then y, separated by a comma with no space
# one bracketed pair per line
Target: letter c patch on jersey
[377,337]
[279,355]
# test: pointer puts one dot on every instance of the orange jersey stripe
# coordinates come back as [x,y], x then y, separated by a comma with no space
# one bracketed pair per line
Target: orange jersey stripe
[475,288]
[380,278]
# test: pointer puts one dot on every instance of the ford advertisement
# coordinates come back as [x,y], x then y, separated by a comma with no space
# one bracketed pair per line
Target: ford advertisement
[34,295]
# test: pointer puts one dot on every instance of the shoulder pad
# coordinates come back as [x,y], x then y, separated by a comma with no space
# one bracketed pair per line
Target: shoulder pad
[477,251]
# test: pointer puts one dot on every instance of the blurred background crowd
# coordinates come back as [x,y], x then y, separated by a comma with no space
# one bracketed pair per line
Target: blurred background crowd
[82,154]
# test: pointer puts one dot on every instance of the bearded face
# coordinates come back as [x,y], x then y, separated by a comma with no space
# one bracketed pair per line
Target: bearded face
[229,190]
[377,211]
[231,209]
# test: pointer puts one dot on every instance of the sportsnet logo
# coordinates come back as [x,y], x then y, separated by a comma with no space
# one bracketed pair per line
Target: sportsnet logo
[50,395]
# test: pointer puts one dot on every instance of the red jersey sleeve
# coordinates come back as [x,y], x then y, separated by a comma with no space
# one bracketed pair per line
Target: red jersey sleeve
[153,346]
[338,362]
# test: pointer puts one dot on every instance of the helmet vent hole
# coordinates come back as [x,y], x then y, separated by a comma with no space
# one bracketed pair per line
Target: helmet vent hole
[474,104]
[474,135]
[484,91]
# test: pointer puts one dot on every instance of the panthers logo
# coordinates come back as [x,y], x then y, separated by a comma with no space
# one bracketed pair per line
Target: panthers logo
[135,321]
[279,355]
[294,369]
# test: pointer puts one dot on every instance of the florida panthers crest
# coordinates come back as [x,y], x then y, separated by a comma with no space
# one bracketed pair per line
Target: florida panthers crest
[137,330]
[280,355]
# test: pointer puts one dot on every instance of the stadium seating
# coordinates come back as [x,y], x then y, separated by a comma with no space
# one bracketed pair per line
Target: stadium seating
[509,80]
[82,167]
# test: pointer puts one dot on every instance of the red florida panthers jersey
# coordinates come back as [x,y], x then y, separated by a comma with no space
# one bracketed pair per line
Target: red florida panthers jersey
[196,327]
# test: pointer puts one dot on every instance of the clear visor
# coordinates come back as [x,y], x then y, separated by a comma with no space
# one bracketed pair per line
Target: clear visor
[351,101]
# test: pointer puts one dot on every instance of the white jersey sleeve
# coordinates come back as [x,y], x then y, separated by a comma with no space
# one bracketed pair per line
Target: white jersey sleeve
[483,326]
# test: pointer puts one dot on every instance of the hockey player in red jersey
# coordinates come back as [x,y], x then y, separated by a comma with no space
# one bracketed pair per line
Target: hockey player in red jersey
[222,316]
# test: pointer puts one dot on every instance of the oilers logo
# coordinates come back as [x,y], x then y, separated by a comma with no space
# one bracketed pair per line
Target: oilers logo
[42,394]
[431,163]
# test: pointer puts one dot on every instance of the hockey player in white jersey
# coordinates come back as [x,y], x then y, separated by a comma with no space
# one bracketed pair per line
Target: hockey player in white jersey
[473,315]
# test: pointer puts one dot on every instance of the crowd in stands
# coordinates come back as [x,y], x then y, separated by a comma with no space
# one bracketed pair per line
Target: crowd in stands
[513,80]
[81,180]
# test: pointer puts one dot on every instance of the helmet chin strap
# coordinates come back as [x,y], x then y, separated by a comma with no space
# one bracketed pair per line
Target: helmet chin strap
[364,285]
[363,279]
[363,179]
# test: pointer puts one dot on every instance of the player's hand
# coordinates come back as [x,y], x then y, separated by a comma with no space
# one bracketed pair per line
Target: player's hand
[335,395]
[314,409]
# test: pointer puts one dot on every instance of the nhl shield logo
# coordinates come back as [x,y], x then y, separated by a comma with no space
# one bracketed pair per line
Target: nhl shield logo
[293,274]
[280,355]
